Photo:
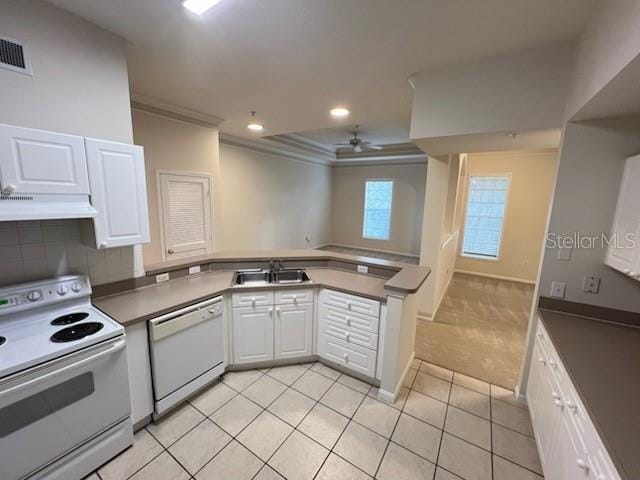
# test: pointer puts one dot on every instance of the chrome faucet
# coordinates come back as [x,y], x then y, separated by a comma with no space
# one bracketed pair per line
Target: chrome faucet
[275,265]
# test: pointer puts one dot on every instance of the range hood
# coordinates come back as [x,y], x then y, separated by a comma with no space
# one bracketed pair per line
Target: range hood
[44,207]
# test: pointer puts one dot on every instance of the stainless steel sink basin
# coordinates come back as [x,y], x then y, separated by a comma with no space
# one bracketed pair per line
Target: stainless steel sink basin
[290,276]
[254,277]
[267,277]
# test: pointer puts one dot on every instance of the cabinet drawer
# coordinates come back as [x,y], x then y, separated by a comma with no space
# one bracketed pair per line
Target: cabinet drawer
[350,303]
[291,296]
[252,299]
[358,359]
[348,335]
[347,319]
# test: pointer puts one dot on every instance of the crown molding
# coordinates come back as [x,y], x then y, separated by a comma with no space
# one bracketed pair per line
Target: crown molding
[269,147]
[174,112]
[388,160]
[300,141]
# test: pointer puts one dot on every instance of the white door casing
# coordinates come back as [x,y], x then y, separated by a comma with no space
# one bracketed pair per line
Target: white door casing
[185,214]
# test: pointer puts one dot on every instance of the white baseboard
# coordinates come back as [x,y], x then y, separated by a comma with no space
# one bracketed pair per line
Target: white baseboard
[497,277]
[390,397]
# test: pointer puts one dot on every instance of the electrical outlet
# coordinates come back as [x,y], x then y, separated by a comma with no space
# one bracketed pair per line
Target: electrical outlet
[194,269]
[591,284]
[163,277]
[564,254]
[558,289]
[363,269]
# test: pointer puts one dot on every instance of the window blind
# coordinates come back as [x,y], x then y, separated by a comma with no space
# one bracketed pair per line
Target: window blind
[485,216]
[377,209]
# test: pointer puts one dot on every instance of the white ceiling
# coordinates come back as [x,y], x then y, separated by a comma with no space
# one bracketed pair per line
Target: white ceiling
[292,60]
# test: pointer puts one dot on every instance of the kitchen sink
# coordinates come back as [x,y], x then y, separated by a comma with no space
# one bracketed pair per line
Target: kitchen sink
[290,276]
[266,277]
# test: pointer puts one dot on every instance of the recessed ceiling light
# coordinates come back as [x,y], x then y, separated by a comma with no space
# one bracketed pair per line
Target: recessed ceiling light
[254,126]
[199,6]
[339,112]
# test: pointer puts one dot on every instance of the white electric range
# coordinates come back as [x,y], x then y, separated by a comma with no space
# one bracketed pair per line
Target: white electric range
[65,407]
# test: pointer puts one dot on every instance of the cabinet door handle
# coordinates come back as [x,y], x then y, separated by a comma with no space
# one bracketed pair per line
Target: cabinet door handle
[278,310]
[582,464]
[8,189]
[349,305]
[553,363]
[555,395]
[171,251]
[572,406]
[346,357]
[542,361]
[271,311]
[347,336]
[558,403]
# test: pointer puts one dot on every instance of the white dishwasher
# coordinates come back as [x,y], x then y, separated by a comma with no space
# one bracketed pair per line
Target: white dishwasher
[187,352]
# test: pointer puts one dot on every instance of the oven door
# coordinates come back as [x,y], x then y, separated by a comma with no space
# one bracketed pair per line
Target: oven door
[49,410]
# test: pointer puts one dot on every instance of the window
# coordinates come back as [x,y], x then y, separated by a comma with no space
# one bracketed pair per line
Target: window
[485,216]
[377,209]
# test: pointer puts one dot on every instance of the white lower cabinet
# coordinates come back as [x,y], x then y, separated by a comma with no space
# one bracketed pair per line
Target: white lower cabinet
[270,325]
[252,334]
[348,329]
[139,372]
[569,445]
[294,330]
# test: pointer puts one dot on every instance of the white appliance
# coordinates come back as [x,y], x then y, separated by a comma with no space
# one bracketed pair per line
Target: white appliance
[187,352]
[64,390]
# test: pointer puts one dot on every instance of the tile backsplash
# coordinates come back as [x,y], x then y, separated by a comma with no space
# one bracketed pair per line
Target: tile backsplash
[32,250]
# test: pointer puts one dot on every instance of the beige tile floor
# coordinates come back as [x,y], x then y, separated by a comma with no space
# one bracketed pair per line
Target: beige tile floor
[479,329]
[310,421]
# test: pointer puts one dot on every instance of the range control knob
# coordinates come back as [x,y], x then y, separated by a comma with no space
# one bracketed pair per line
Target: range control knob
[62,290]
[34,295]
[76,287]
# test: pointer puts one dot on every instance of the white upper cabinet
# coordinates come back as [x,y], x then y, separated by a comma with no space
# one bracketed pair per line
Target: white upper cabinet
[624,250]
[41,162]
[118,193]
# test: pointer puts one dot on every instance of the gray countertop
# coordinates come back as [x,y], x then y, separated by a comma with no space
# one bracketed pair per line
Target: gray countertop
[603,361]
[141,304]
[406,278]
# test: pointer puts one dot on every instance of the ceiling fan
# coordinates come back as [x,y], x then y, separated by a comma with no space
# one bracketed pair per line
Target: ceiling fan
[357,144]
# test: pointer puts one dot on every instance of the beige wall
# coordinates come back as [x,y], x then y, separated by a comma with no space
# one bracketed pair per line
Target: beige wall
[270,201]
[532,175]
[347,206]
[260,201]
[173,145]
[589,175]
[80,83]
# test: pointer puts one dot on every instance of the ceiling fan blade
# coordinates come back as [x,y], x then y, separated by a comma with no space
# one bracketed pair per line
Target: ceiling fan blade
[373,147]
[342,144]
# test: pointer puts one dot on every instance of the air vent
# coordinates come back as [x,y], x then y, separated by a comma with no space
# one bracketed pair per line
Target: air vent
[15,197]
[13,56]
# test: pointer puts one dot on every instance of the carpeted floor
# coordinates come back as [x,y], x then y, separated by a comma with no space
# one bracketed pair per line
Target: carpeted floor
[479,329]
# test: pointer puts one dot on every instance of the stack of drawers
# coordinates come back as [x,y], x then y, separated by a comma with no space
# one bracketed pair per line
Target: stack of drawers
[567,439]
[348,331]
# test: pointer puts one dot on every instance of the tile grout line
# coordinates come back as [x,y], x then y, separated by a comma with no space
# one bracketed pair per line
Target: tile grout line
[444,423]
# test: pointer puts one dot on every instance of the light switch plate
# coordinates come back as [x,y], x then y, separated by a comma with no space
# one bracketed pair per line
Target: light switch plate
[591,284]
[363,269]
[558,289]
[194,269]
[163,277]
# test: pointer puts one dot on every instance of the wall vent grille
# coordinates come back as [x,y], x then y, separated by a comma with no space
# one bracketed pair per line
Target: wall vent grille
[15,197]
[13,56]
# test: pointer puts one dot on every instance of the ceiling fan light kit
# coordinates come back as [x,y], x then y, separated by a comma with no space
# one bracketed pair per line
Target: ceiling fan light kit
[356,143]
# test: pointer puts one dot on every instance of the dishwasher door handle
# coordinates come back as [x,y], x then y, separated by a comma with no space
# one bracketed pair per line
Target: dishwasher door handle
[166,328]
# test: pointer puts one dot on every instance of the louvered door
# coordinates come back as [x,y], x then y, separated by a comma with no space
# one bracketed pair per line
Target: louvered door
[186,214]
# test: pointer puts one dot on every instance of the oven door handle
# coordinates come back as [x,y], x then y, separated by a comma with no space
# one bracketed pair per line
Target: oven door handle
[114,348]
